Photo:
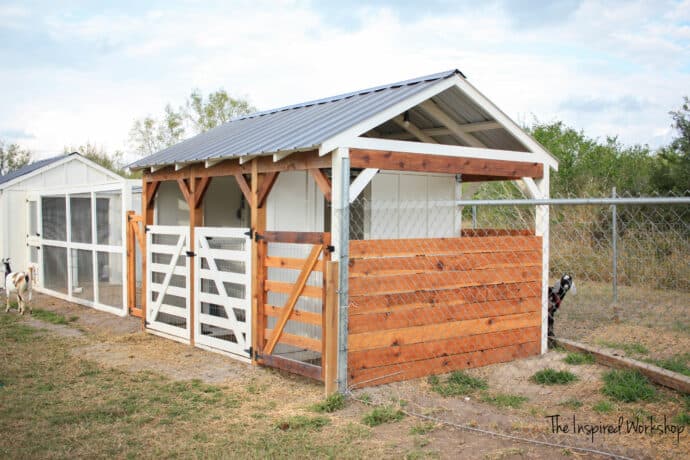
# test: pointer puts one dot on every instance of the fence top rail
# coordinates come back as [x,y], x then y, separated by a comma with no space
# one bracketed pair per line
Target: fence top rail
[577,201]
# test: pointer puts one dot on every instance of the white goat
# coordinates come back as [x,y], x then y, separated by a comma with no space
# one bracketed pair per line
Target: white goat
[21,284]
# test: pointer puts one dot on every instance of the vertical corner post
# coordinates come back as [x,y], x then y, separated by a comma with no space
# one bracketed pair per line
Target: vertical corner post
[340,229]
[542,229]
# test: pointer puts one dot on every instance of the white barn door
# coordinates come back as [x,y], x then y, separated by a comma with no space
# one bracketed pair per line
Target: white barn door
[222,300]
[167,283]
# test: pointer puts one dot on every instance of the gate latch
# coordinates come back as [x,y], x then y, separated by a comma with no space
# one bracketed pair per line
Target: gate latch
[190,253]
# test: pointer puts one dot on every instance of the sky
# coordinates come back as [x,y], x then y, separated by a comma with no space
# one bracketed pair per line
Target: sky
[84,71]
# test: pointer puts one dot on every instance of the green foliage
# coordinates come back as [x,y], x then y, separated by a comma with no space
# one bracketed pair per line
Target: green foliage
[303,422]
[12,157]
[671,171]
[52,317]
[334,402]
[676,363]
[603,407]
[98,155]
[198,114]
[383,414]
[627,386]
[579,358]
[458,383]
[550,376]
[423,428]
[634,348]
[505,400]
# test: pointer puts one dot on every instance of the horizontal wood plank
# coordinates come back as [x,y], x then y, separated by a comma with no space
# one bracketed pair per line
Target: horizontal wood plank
[496,232]
[442,313]
[426,264]
[411,300]
[385,356]
[286,288]
[296,367]
[288,263]
[402,161]
[297,237]
[300,316]
[395,337]
[441,365]
[362,249]
[298,341]
[376,285]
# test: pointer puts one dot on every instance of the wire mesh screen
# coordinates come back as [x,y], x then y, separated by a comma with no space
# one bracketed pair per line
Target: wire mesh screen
[54,218]
[82,274]
[109,278]
[109,218]
[80,218]
[55,268]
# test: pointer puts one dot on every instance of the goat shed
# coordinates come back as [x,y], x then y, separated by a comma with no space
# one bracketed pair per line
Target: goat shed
[323,238]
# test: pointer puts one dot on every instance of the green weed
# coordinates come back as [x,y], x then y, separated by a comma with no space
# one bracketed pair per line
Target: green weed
[603,407]
[383,414]
[334,402]
[505,400]
[457,384]
[579,358]
[627,386]
[550,376]
[629,348]
[303,422]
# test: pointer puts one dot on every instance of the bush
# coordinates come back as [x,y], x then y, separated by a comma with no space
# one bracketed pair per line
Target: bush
[627,386]
[550,376]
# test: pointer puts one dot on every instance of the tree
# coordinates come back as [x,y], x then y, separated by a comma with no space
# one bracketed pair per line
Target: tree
[671,171]
[149,135]
[12,157]
[98,155]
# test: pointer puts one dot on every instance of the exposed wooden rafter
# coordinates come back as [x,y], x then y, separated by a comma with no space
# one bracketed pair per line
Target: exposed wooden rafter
[244,186]
[266,186]
[446,120]
[414,130]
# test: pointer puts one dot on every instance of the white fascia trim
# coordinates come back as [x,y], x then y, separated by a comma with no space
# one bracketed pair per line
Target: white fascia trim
[443,149]
[475,95]
[282,155]
[247,158]
[362,127]
[157,168]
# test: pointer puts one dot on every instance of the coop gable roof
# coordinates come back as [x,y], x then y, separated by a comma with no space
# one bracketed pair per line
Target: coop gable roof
[328,123]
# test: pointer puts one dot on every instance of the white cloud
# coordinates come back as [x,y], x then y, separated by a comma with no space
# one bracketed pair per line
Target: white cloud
[282,53]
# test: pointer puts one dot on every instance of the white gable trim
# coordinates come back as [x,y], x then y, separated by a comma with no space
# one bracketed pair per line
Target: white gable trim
[350,137]
[56,164]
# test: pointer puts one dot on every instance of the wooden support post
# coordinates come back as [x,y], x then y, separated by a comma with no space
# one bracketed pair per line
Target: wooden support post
[195,220]
[131,264]
[258,225]
[148,190]
[330,330]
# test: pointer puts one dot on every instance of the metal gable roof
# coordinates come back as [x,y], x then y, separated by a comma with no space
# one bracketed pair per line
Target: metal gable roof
[292,128]
[24,170]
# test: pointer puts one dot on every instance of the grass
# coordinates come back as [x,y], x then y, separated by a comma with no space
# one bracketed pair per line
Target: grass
[55,404]
[303,422]
[423,428]
[677,363]
[627,386]
[550,376]
[332,403]
[383,414]
[504,400]
[629,348]
[603,407]
[457,383]
[579,358]
[52,317]
[572,403]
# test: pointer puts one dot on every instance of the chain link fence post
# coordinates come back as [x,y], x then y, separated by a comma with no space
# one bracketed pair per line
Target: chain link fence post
[614,231]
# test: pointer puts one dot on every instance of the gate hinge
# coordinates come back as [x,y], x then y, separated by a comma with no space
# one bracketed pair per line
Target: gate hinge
[190,253]
[258,237]
[146,228]
[249,234]
[253,354]
[330,248]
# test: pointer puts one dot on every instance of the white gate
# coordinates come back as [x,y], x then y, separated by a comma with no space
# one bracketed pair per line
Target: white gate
[223,290]
[167,280]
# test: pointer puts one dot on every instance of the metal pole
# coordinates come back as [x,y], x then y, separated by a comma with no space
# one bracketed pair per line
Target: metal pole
[614,230]
[343,264]
[474,217]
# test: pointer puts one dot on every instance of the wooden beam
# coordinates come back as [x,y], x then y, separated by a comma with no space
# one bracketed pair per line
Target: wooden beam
[184,188]
[673,380]
[298,237]
[201,188]
[466,127]
[322,181]
[412,129]
[151,193]
[361,181]
[442,117]
[400,161]
[246,190]
[292,300]
[266,186]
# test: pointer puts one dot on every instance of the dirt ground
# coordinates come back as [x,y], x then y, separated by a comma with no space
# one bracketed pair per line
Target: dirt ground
[120,343]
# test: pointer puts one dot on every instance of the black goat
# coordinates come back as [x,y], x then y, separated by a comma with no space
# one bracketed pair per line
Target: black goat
[556,295]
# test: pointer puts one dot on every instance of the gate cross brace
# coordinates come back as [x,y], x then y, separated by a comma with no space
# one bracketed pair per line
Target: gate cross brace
[294,296]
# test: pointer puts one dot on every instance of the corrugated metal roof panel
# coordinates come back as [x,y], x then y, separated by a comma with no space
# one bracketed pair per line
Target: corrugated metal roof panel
[296,127]
[24,170]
